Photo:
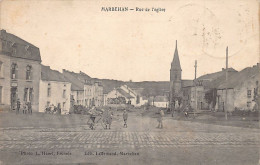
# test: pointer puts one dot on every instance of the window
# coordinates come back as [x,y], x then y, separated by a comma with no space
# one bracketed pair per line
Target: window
[248,104]
[31,94]
[64,104]
[249,93]
[13,71]
[28,72]
[48,103]
[49,90]
[1,70]
[25,94]
[64,93]
[1,94]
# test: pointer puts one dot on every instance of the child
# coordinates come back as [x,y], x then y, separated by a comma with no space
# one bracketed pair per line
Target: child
[125,116]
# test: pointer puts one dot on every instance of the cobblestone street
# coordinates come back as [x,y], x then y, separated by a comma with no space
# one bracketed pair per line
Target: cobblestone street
[141,136]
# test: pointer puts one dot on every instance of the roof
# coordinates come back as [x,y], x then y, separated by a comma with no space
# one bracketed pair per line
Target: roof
[47,74]
[187,83]
[124,93]
[213,76]
[240,77]
[161,99]
[23,49]
[76,84]
[176,61]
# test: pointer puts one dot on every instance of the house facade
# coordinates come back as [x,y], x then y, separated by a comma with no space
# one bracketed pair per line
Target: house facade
[20,65]
[54,90]
[84,90]
[242,91]
[119,96]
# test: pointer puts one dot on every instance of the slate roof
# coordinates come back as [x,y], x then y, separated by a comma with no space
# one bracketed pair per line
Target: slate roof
[23,49]
[187,83]
[124,93]
[176,61]
[76,84]
[160,99]
[48,74]
[213,76]
[240,77]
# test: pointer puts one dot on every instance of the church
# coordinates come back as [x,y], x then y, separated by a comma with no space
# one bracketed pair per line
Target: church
[177,85]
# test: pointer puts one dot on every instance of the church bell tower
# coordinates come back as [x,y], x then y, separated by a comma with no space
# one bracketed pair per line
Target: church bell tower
[175,76]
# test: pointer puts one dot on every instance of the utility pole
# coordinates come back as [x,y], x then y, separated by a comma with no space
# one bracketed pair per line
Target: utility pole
[226,106]
[195,81]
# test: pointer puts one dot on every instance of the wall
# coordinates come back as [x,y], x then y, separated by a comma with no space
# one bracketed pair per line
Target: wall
[88,95]
[5,81]
[78,97]
[241,98]
[161,104]
[20,81]
[56,95]
[221,100]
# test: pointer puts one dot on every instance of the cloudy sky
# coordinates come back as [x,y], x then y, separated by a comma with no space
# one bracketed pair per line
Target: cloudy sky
[78,36]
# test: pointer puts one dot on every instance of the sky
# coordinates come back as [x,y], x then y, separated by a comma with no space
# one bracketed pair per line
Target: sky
[137,45]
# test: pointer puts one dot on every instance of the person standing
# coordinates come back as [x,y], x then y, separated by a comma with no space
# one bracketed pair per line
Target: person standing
[29,107]
[18,106]
[110,117]
[125,116]
[160,119]
[24,108]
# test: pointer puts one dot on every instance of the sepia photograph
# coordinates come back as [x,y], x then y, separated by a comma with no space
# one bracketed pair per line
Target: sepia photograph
[131,82]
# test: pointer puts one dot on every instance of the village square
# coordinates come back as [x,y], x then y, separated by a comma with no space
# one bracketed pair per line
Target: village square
[75,118]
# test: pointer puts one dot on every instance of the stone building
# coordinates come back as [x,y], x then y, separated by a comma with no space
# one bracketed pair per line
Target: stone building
[20,65]
[54,90]
[177,84]
[242,90]
[175,78]
[84,90]
[77,87]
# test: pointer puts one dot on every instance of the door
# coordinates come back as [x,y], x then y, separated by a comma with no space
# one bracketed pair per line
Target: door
[13,97]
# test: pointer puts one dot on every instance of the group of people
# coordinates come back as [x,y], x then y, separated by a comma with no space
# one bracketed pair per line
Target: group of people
[52,109]
[107,117]
[26,107]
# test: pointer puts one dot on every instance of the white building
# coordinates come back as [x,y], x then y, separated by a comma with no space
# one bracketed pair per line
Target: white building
[160,101]
[54,89]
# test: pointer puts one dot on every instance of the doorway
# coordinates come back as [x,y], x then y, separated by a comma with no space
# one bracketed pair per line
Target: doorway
[13,98]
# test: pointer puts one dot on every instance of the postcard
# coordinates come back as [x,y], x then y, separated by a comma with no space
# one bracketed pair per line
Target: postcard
[129,82]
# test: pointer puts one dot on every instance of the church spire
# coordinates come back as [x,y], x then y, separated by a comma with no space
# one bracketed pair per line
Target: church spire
[176,61]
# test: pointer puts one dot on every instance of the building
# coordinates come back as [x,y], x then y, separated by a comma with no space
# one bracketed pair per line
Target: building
[77,87]
[20,65]
[119,96]
[84,90]
[161,101]
[175,78]
[241,90]
[54,90]
[125,95]
[177,84]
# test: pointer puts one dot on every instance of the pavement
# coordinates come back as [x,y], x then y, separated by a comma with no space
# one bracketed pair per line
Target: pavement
[141,136]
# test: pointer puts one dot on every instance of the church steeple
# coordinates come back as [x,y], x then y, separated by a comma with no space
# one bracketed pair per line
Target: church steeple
[176,61]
